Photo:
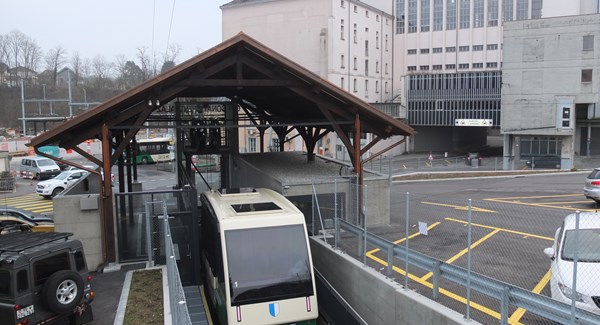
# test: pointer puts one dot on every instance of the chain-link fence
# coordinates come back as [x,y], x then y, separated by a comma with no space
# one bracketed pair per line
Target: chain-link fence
[490,266]
[401,165]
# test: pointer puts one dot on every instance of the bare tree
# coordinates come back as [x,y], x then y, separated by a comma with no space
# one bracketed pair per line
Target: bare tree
[15,41]
[76,63]
[31,54]
[4,57]
[145,62]
[86,71]
[172,53]
[102,70]
[55,58]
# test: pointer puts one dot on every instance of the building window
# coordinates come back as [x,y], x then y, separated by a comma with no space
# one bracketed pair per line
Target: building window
[366,67]
[377,86]
[377,17]
[355,34]
[465,14]
[450,66]
[367,13]
[438,15]
[477,47]
[424,68]
[355,85]
[451,14]
[376,66]
[492,13]
[342,3]
[586,75]
[412,16]
[386,68]
[342,63]
[377,39]
[491,65]
[536,9]
[463,66]
[399,17]
[437,50]
[386,87]
[491,47]
[478,13]
[522,9]
[450,49]
[366,88]
[367,48]
[386,42]
[424,51]
[355,9]
[507,10]
[342,85]
[436,67]
[477,65]
[355,64]
[464,48]
[412,68]
[342,32]
[252,145]
[425,15]
[588,42]
[412,51]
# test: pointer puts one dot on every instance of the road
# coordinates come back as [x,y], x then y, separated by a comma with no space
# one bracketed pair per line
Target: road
[513,220]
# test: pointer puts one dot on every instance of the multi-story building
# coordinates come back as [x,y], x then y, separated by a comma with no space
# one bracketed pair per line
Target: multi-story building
[551,91]
[438,61]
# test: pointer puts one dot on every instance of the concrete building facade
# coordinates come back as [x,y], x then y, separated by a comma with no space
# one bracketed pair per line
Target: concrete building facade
[551,92]
[440,62]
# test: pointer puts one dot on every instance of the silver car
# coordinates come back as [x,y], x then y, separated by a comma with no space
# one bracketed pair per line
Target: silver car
[592,185]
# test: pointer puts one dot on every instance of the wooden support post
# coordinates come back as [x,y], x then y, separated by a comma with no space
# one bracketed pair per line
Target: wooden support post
[106,214]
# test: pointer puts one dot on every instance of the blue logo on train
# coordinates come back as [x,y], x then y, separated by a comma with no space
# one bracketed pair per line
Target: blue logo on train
[274,309]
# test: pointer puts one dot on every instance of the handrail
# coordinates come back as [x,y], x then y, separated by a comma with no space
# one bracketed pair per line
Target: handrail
[505,293]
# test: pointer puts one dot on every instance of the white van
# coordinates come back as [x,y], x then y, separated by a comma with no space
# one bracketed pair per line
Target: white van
[38,167]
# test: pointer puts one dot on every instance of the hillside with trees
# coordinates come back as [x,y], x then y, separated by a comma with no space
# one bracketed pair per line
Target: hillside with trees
[45,74]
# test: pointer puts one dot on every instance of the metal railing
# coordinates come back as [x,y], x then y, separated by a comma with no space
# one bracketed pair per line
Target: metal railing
[509,297]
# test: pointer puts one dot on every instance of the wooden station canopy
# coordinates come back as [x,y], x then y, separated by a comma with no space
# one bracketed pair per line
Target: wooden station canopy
[262,82]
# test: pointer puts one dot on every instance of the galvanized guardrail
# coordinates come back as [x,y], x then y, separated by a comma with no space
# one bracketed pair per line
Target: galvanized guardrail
[506,294]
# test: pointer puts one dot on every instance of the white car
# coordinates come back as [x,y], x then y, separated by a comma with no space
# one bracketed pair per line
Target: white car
[562,255]
[51,187]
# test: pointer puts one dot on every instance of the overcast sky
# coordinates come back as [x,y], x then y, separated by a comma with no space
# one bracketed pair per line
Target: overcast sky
[112,27]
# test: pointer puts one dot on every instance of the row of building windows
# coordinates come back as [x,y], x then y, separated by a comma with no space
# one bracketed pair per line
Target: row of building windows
[356,11]
[355,37]
[452,49]
[355,65]
[355,86]
[427,15]
[461,66]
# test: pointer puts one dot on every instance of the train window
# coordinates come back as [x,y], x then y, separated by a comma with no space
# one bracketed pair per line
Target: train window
[262,206]
[269,263]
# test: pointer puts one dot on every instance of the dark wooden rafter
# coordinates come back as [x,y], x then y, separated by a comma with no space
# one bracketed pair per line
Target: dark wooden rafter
[370,145]
[311,136]
[338,130]
[89,156]
[129,136]
[379,153]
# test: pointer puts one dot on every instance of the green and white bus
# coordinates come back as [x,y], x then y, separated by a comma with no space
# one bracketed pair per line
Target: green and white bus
[153,150]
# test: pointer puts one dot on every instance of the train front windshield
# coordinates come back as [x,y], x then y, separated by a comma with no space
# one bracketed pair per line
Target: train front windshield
[267,264]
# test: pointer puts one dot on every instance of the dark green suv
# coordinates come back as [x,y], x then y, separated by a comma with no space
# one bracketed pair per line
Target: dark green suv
[43,279]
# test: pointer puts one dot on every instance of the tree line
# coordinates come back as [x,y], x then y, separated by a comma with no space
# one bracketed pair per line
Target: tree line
[18,50]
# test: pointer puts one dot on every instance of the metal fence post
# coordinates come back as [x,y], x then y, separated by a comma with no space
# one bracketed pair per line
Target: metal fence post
[504,306]
[575,258]
[406,243]
[149,233]
[469,263]
[436,281]
[365,225]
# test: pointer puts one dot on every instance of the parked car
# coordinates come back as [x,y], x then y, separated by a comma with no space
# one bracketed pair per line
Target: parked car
[44,279]
[544,162]
[38,168]
[8,212]
[562,256]
[52,187]
[471,156]
[591,190]
[10,224]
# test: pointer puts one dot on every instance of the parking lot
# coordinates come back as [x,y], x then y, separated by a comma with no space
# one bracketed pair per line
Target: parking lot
[513,220]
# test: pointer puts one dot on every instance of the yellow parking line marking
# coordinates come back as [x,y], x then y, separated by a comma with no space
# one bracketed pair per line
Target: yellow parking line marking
[533,197]
[518,314]
[42,210]
[463,252]
[433,225]
[542,205]
[460,207]
[566,202]
[443,291]
[502,229]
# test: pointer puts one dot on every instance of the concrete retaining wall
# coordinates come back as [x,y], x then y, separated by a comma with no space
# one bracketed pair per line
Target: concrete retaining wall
[377,299]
